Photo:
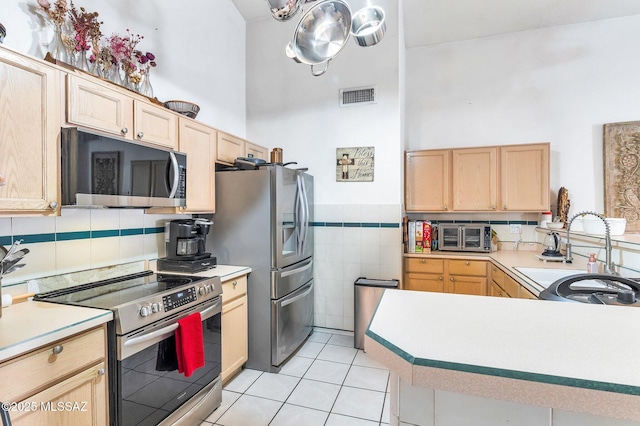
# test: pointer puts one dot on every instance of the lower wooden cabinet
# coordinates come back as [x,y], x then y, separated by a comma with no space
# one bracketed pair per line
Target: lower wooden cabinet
[502,285]
[446,275]
[62,383]
[235,331]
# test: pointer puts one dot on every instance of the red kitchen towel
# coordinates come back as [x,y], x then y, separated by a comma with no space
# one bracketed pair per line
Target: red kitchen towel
[189,344]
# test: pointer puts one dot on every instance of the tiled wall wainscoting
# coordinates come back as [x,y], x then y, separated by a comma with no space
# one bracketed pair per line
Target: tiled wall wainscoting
[81,239]
[352,241]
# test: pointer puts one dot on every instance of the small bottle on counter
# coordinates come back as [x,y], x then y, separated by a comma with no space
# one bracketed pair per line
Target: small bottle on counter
[592,264]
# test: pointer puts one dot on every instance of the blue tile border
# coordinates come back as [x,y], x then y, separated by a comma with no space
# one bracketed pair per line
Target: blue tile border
[155,230]
[105,233]
[35,238]
[490,222]
[131,231]
[5,240]
[355,225]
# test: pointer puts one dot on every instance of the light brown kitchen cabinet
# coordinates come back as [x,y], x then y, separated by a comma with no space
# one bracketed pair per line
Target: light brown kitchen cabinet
[503,285]
[475,179]
[199,143]
[98,106]
[257,151]
[235,331]
[30,120]
[427,180]
[524,177]
[445,275]
[467,277]
[61,383]
[512,178]
[424,274]
[229,148]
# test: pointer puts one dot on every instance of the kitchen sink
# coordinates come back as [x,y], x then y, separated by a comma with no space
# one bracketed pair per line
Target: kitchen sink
[546,276]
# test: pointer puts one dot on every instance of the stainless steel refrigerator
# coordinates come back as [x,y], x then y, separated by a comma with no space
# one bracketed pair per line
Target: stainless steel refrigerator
[263,220]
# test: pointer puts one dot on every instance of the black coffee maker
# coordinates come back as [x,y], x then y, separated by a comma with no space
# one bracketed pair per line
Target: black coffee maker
[185,241]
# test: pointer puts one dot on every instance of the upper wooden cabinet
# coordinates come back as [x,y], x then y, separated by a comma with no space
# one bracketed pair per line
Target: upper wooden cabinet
[427,180]
[231,147]
[199,143]
[112,110]
[30,125]
[257,151]
[475,179]
[524,177]
[487,179]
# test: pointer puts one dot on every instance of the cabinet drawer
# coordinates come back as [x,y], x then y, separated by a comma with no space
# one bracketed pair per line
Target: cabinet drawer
[497,275]
[424,282]
[430,266]
[511,286]
[38,369]
[233,289]
[468,267]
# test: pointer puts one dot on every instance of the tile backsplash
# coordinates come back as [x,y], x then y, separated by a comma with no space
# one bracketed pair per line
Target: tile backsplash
[81,239]
[352,241]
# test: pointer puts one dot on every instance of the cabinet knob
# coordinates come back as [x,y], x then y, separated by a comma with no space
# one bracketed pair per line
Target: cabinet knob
[492,207]
[124,130]
[467,263]
[140,135]
[451,279]
[424,261]
[446,207]
[504,207]
[101,371]
[235,283]
[53,205]
[440,278]
[57,349]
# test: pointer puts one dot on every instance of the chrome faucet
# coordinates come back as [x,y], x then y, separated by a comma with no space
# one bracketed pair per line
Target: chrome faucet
[608,267]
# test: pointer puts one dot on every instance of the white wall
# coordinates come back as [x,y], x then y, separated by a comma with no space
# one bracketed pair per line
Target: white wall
[287,107]
[199,46]
[556,84]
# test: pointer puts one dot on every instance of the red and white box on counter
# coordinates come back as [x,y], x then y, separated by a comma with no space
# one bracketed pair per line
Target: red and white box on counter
[419,233]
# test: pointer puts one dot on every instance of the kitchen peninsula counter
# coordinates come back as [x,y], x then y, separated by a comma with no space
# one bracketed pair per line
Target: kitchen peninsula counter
[525,361]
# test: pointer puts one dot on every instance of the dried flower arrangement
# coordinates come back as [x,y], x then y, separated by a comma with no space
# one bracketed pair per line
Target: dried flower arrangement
[58,13]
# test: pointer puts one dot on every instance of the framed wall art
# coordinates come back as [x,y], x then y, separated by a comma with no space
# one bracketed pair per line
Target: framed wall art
[621,154]
[354,164]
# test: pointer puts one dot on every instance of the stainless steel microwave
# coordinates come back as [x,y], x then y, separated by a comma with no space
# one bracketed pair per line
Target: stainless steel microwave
[100,170]
[464,237]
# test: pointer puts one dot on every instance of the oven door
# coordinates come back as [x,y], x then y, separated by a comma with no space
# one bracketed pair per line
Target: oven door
[291,322]
[476,238]
[150,390]
[449,237]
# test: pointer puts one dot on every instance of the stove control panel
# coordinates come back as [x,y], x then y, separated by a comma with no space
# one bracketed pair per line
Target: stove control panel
[179,298]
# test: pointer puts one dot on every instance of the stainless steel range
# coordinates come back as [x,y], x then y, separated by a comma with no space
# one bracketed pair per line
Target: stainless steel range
[145,387]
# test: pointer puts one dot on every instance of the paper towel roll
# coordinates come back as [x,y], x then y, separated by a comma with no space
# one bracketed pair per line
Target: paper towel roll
[6,300]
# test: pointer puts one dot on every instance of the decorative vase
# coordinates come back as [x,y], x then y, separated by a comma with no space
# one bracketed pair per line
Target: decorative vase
[82,62]
[57,47]
[146,89]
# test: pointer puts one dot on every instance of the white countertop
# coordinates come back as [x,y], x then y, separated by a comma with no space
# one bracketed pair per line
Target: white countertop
[29,325]
[575,346]
[225,272]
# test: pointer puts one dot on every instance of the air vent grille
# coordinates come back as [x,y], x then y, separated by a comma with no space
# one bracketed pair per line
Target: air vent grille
[358,96]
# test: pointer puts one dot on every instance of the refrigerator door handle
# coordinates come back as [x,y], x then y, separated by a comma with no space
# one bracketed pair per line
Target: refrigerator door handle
[298,296]
[305,212]
[297,270]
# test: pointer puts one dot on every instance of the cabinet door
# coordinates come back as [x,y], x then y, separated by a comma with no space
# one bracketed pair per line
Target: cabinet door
[424,282]
[30,121]
[460,284]
[257,151]
[199,143]
[496,291]
[475,179]
[78,400]
[95,106]
[155,124]
[427,177]
[229,148]
[524,177]
[235,337]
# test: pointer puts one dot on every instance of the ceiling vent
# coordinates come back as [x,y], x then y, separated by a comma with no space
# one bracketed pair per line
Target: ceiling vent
[358,96]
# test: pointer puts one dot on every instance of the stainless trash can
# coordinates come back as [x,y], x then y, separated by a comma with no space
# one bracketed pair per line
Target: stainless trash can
[367,294]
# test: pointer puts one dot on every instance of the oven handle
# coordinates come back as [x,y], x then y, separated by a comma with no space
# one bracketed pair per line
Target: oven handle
[168,330]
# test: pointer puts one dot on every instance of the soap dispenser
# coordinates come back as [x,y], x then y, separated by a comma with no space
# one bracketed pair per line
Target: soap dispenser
[592,264]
